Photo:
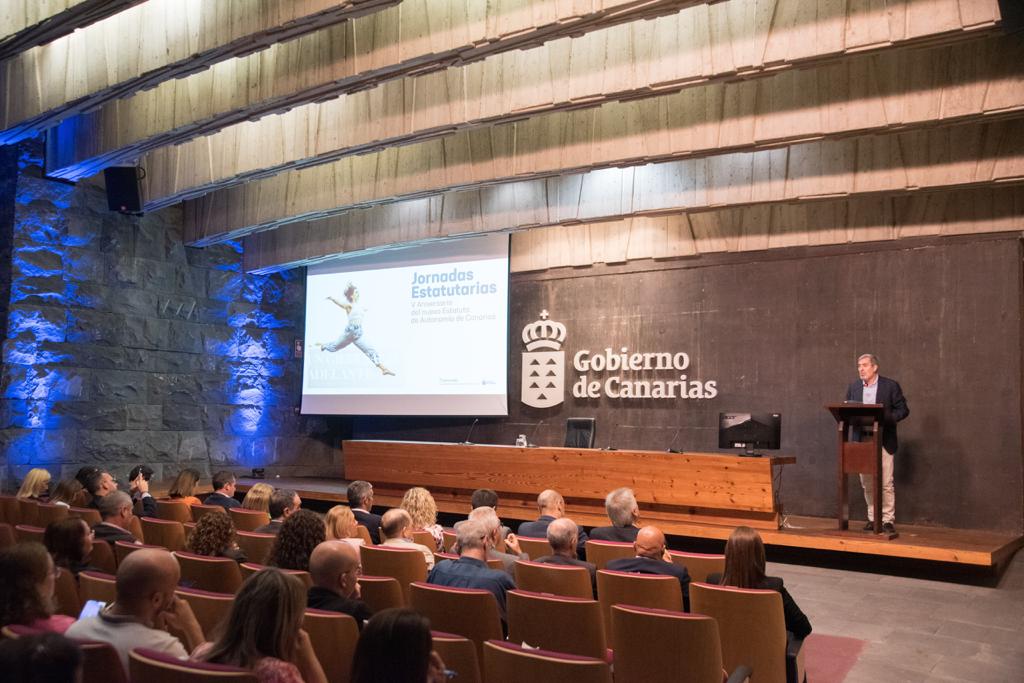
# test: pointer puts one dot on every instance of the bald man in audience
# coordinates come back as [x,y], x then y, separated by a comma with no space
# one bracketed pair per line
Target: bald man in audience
[562,537]
[551,506]
[116,512]
[144,609]
[471,570]
[492,527]
[623,512]
[652,558]
[396,529]
[335,569]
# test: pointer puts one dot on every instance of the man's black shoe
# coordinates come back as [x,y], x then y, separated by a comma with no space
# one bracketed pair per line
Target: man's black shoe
[870,526]
[889,528]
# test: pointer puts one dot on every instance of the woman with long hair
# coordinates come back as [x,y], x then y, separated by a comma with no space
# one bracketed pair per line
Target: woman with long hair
[420,505]
[745,568]
[396,645]
[214,536]
[26,592]
[276,650]
[70,544]
[184,487]
[301,532]
[341,525]
[35,485]
[68,493]
[258,498]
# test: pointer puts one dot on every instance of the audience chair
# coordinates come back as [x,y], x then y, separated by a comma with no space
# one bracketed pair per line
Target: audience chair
[189,527]
[601,553]
[255,546]
[556,623]
[424,538]
[381,592]
[28,512]
[26,532]
[100,663]
[557,579]
[448,540]
[469,612]
[47,513]
[91,516]
[135,527]
[698,565]
[199,510]
[250,568]
[662,646]
[7,538]
[65,592]
[535,547]
[210,608]
[458,655]
[579,432]
[102,557]
[334,638]
[364,533]
[248,520]
[217,574]
[9,511]
[642,590]
[163,532]
[510,663]
[406,566]
[96,586]
[156,667]
[751,626]
[173,511]
[123,549]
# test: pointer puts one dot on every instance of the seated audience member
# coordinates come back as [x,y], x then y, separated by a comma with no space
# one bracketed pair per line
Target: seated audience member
[745,568]
[283,502]
[396,529]
[116,511]
[335,569]
[300,534]
[26,591]
[652,558]
[360,499]
[223,491]
[214,536]
[422,509]
[563,536]
[485,498]
[471,570]
[70,544]
[83,475]
[42,658]
[492,527]
[183,488]
[396,645]
[68,493]
[258,497]
[145,606]
[276,649]
[551,506]
[36,485]
[139,489]
[99,484]
[623,511]
[341,525]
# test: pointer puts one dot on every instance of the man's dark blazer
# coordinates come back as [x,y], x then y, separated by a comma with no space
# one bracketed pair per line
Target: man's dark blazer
[322,598]
[112,534]
[371,522]
[218,498]
[619,534]
[271,527]
[539,529]
[895,408]
[645,565]
[569,562]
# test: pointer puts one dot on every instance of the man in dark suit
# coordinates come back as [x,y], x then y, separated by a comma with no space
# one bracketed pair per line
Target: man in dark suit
[360,499]
[563,535]
[551,506]
[223,491]
[283,502]
[873,388]
[652,558]
[116,512]
[623,511]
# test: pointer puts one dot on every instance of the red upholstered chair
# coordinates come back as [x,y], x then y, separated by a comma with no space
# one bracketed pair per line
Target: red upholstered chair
[210,608]
[381,592]
[7,537]
[65,591]
[557,623]
[663,646]
[9,511]
[699,565]
[535,547]
[102,557]
[468,612]
[156,667]
[100,663]
[255,546]
[558,579]
[199,510]
[424,538]
[28,512]
[47,513]
[248,520]
[250,568]
[603,552]
[510,663]
[135,527]
[448,540]
[642,590]
[165,533]
[173,511]
[91,516]
[364,533]
[27,532]
[334,638]
[458,655]
[96,586]
[217,574]
[123,549]
[405,566]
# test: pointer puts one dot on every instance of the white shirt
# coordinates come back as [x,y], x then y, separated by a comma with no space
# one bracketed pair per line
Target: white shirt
[125,634]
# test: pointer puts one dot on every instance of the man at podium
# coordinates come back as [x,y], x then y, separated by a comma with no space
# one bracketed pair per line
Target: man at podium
[873,388]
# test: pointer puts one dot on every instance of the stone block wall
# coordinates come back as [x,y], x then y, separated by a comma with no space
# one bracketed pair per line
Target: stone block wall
[124,346]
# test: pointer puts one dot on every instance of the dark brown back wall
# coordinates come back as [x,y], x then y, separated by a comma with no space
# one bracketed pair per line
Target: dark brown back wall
[781,331]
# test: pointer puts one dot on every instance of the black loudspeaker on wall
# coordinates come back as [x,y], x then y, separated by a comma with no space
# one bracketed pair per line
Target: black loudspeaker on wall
[123,191]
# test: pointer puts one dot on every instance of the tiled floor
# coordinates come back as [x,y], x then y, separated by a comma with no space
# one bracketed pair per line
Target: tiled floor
[917,629]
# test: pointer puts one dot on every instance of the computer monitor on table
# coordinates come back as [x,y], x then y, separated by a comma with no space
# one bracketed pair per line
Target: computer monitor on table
[750,431]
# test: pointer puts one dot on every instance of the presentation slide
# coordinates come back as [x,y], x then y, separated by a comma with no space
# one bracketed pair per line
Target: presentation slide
[421,330]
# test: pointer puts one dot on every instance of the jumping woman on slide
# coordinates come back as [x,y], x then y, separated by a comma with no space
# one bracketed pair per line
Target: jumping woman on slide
[353,333]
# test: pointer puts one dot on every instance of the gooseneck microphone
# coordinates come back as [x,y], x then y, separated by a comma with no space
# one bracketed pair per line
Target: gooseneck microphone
[529,441]
[673,442]
[467,442]
[611,440]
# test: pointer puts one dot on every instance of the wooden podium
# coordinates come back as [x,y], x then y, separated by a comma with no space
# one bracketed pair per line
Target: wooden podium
[859,457]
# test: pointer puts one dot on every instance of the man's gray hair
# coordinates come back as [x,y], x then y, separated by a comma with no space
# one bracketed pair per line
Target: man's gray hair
[487,517]
[561,534]
[357,492]
[470,534]
[619,505]
[110,505]
[873,357]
